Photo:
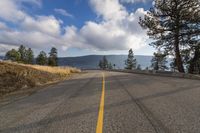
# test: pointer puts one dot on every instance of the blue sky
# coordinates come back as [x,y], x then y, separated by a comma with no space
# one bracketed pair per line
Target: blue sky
[74,27]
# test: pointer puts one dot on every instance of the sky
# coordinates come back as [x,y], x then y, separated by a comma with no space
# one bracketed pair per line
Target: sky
[74,27]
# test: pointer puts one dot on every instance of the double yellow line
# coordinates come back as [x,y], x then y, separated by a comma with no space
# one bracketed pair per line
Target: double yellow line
[99,128]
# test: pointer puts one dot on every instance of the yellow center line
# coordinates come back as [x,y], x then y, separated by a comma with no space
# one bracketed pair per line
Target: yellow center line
[99,128]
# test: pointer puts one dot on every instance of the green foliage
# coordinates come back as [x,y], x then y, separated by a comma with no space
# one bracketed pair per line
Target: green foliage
[53,59]
[29,56]
[174,25]
[194,61]
[110,66]
[26,55]
[42,58]
[103,64]
[23,52]
[23,55]
[159,61]
[131,61]
[13,55]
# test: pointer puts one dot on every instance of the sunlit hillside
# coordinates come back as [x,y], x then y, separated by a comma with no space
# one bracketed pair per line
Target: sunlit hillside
[14,76]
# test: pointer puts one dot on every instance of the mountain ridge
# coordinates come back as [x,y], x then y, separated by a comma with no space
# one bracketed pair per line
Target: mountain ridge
[91,61]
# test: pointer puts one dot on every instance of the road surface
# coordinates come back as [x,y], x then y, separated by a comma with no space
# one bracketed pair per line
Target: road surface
[109,102]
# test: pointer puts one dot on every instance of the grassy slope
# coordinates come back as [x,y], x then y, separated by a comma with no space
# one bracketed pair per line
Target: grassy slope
[15,76]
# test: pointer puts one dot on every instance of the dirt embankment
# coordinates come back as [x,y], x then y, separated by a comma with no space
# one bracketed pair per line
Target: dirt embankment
[14,76]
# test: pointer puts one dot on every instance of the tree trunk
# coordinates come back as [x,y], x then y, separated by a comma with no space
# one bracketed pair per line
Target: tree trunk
[191,67]
[179,62]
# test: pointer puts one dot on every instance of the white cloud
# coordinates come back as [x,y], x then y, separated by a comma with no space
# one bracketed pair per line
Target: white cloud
[63,12]
[34,31]
[33,2]
[132,1]
[109,9]
[118,29]
[10,12]
[4,48]
[45,24]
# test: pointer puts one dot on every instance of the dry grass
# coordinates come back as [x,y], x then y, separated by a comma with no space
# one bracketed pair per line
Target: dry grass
[14,76]
[55,70]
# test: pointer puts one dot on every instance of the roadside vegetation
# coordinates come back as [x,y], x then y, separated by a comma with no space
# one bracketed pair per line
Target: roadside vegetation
[26,56]
[105,64]
[21,70]
[131,62]
[16,76]
[159,61]
[174,27]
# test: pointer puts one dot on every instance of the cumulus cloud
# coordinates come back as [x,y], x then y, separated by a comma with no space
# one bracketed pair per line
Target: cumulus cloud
[117,30]
[10,11]
[4,47]
[45,24]
[63,12]
[132,1]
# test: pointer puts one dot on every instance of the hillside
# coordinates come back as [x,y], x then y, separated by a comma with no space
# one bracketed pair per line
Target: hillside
[91,61]
[14,76]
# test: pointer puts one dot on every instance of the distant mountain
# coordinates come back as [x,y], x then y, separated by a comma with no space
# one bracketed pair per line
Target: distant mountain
[92,61]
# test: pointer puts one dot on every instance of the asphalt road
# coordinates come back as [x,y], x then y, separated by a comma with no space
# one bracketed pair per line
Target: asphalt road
[117,103]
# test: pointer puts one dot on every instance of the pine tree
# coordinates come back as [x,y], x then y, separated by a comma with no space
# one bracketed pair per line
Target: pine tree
[110,66]
[13,55]
[29,56]
[101,64]
[42,58]
[23,54]
[131,61]
[52,61]
[173,24]
[105,62]
[194,61]
[159,61]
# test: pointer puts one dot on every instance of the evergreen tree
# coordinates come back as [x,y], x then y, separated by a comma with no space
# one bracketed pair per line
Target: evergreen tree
[42,58]
[29,56]
[105,62]
[159,61]
[13,55]
[110,66]
[101,64]
[52,61]
[131,61]
[194,62]
[173,24]
[23,54]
